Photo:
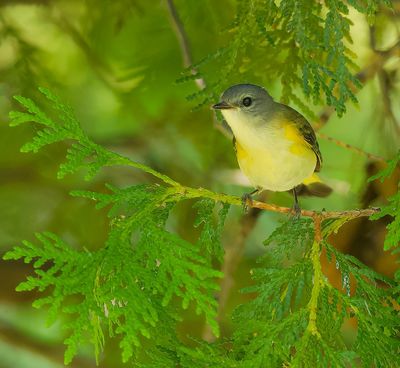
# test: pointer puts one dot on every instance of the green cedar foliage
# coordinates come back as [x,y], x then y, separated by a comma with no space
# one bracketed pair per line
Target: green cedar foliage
[301,42]
[297,317]
[392,208]
[129,287]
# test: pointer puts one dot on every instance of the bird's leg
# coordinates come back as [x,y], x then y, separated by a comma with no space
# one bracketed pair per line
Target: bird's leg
[296,206]
[247,199]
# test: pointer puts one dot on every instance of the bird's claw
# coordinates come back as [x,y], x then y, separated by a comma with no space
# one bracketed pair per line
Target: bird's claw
[246,202]
[296,212]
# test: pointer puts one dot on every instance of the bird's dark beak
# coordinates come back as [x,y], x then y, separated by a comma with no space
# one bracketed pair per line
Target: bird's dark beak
[222,106]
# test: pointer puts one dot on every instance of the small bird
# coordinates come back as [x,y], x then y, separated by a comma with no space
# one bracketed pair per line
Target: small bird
[276,146]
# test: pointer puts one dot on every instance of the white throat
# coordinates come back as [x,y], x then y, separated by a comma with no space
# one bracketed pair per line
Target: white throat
[250,132]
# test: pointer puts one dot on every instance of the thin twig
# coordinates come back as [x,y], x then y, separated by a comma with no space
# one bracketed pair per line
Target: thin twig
[183,42]
[187,59]
[350,147]
[350,214]
[237,201]
[180,190]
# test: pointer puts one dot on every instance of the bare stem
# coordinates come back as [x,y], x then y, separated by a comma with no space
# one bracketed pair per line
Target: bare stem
[349,147]
[237,201]
[183,41]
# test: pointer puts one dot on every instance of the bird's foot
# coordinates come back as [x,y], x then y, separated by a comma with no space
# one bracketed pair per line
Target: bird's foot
[247,201]
[296,212]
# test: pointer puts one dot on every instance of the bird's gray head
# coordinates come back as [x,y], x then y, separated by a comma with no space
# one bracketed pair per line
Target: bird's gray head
[249,99]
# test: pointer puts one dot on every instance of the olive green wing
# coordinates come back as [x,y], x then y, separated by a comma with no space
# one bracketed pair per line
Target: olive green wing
[306,130]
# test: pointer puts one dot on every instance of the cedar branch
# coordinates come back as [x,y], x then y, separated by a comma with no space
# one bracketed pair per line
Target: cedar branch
[237,201]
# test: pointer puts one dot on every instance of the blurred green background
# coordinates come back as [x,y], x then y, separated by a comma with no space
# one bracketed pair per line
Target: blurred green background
[116,63]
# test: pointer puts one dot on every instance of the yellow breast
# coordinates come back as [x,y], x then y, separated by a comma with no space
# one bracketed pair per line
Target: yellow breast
[273,156]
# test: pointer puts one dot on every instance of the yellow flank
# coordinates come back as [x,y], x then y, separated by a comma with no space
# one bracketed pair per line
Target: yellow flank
[248,159]
[314,178]
[241,153]
[299,146]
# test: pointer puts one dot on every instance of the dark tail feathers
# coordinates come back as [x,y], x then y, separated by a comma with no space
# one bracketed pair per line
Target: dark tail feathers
[316,189]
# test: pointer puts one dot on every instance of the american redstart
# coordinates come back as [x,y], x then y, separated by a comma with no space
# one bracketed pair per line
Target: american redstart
[276,146]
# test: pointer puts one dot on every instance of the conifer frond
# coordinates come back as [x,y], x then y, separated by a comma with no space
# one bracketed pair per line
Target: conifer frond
[210,236]
[126,285]
[367,297]
[133,285]
[302,43]
[270,325]
[289,240]
[84,153]
[275,328]
[201,355]
[392,239]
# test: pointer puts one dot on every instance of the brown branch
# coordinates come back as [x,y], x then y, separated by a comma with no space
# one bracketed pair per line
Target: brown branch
[183,42]
[233,254]
[187,59]
[237,201]
[322,215]
[317,229]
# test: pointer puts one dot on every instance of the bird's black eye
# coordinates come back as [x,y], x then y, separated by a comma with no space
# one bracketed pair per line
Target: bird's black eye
[247,101]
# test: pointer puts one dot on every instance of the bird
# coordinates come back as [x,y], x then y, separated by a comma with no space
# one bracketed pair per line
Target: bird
[275,146]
